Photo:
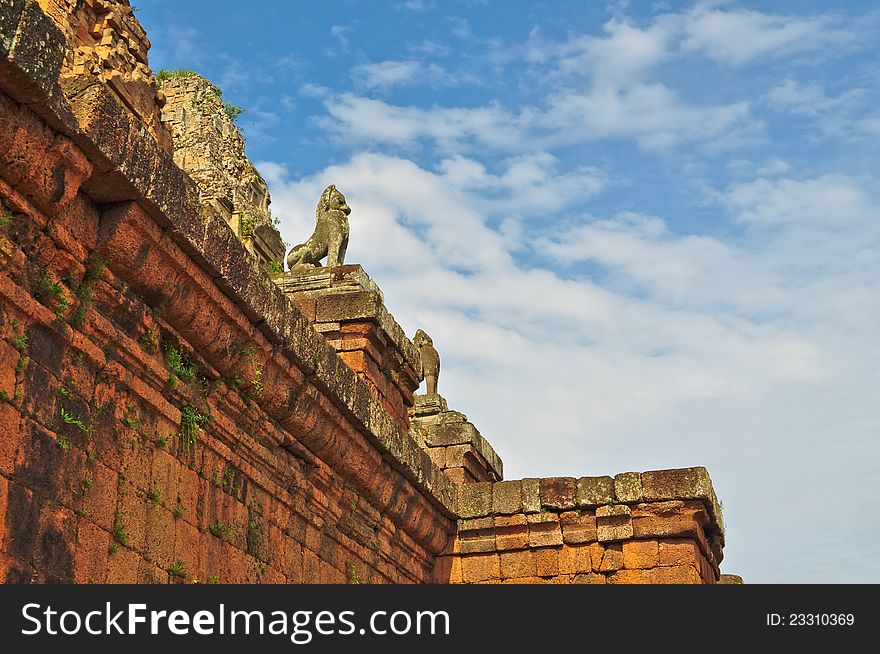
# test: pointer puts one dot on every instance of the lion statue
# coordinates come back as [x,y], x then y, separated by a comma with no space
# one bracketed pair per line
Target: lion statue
[330,238]
[430,360]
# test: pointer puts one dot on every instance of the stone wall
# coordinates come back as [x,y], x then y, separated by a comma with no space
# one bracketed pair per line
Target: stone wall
[348,309]
[453,442]
[661,527]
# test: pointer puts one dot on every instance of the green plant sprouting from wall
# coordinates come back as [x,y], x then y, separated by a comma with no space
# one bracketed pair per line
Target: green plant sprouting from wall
[274,266]
[246,227]
[52,292]
[232,111]
[164,74]
[178,569]
[222,531]
[71,419]
[95,265]
[190,422]
[179,364]
[119,534]
[351,574]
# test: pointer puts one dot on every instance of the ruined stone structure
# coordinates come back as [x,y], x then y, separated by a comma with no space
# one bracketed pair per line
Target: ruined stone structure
[169,411]
[209,147]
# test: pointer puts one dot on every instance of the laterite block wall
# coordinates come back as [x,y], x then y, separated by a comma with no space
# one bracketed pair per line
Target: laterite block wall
[165,413]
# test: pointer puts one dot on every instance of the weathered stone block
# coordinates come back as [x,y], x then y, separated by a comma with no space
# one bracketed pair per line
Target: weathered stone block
[547,562]
[511,532]
[628,487]
[610,559]
[558,493]
[355,305]
[507,497]
[631,577]
[594,491]
[544,530]
[612,510]
[477,535]
[638,554]
[684,483]
[475,500]
[531,495]
[517,564]
[480,567]
[578,527]
[677,551]
[575,560]
[678,574]
[613,523]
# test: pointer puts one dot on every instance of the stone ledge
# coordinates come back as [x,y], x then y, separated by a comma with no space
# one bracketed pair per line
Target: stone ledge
[609,496]
[344,293]
[440,427]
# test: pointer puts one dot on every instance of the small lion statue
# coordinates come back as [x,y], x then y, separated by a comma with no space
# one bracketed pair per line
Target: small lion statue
[430,360]
[330,238]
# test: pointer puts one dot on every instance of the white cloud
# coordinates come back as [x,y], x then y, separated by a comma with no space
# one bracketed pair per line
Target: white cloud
[416,5]
[830,201]
[340,33]
[364,119]
[774,166]
[386,73]
[808,99]
[623,55]
[649,113]
[741,36]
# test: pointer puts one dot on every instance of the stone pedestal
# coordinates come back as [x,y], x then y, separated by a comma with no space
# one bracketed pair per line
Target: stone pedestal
[347,307]
[453,443]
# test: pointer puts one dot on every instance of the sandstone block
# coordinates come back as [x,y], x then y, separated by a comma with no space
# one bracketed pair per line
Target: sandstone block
[575,560]
[684,483]
[594,491]
[613,510]
[558,493]
[479,536]
[613,523]
[507,497]
[612,558]
[628,487]
[531,495]
[480,567]
[517,564]
[542,535]
[632,577]
[511,532]
[640,554]
[677,551]
[547,561]
[475,500]
[578,527]
[678,574]
[588,578]
[730,579]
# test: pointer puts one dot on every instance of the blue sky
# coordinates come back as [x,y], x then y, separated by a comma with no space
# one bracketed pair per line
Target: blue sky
[642,235]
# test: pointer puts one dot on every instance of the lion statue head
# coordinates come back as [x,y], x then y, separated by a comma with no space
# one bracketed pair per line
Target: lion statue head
[332,200]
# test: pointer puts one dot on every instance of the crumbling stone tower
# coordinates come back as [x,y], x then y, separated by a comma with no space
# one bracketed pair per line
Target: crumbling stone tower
[170,411]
